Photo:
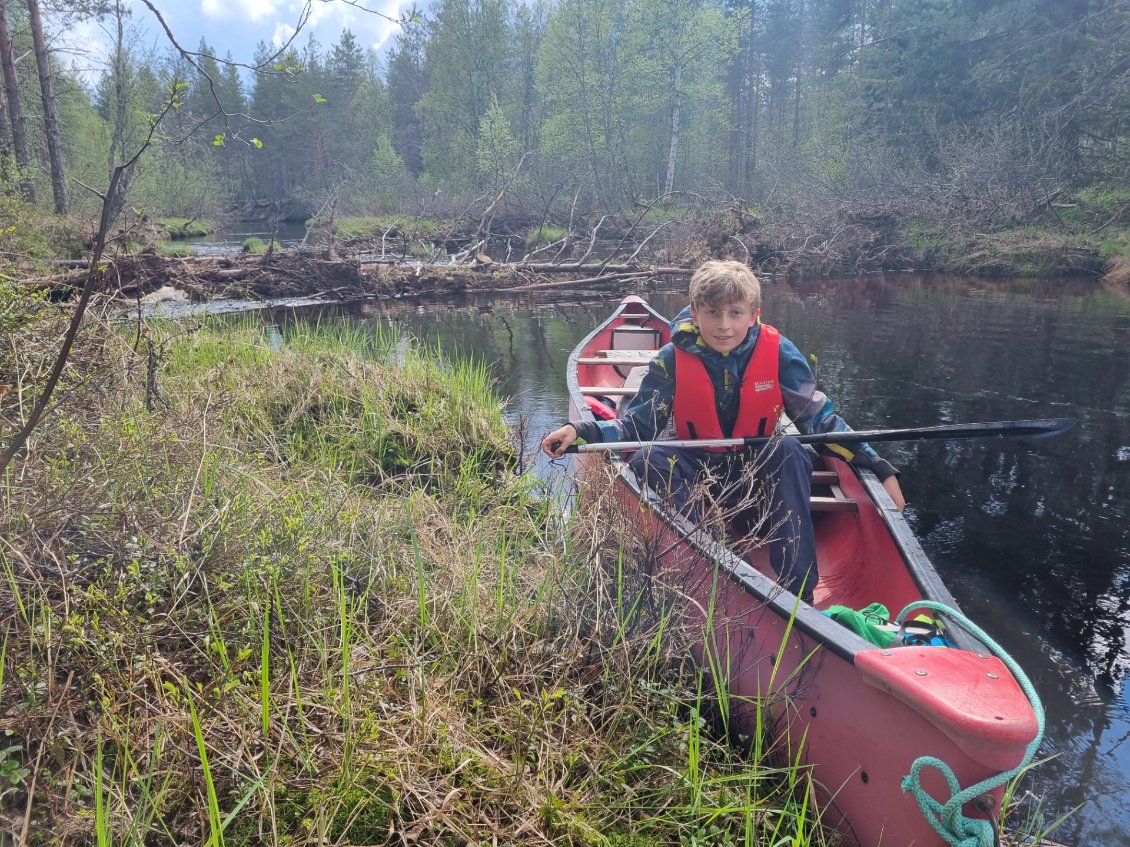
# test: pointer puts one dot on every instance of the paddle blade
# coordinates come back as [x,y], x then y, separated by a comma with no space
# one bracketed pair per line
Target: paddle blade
[1052,426]
[995,429]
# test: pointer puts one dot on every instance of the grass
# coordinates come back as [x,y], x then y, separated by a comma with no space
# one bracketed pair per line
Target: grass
[376,225]
[309,601]
[173,250]
[1115,251]
[1018,251]
[179,229]
[542,235]
[256,245]
[29,237]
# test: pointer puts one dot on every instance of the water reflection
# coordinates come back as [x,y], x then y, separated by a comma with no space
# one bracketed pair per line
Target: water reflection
[1032,537]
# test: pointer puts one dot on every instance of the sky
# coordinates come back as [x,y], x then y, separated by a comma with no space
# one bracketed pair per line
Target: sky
[237,26]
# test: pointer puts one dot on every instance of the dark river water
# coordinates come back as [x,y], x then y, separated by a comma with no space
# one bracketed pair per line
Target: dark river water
[1032,537]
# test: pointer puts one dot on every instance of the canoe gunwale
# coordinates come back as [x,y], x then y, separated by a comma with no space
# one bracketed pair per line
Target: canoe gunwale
[809,620]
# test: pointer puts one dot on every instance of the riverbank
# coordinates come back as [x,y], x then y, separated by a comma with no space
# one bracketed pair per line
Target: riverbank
[298,593]
[404,255]
[355,271]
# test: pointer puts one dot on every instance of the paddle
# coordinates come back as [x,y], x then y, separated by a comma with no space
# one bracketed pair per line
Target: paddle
[997,429]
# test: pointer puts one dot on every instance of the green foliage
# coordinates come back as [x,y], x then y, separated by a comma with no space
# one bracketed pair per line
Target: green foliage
[934,111]
[469,66]
[498,153]
[390,181]
[577,73]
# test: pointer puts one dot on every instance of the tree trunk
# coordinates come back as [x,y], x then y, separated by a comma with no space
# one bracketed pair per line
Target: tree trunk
[50,114]
[5,143]
[15,110]
[753,111]
[799,75]
[120,177]
[675,120]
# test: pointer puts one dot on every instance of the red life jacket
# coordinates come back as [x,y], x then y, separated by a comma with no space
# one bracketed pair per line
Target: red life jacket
[600,408]
[760,401]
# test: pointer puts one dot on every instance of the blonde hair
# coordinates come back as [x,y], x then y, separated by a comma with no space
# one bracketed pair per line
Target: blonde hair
[718,283]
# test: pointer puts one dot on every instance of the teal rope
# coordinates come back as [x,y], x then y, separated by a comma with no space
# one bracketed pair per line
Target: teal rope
[947,820]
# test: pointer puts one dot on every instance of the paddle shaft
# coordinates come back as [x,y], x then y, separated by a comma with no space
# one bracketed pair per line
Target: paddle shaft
[997,429]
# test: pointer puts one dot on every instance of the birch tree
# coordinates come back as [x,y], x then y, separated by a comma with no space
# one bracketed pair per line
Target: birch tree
[18,121]
[676,54]
[51,131]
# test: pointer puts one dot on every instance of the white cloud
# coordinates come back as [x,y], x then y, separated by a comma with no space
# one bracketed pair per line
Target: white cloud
[283,34]
[386,29]
[252,10]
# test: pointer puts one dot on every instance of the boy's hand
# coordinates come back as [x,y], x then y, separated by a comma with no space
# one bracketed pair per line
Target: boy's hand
[891,483]
[554,444]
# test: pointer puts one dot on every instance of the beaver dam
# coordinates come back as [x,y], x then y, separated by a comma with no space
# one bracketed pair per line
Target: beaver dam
[330,272]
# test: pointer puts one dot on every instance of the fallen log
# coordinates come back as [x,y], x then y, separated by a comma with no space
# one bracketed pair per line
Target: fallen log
[54,279]
[595,268]
[561,283]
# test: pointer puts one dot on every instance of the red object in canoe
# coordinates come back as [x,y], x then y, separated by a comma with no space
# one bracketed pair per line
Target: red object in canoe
[861,715]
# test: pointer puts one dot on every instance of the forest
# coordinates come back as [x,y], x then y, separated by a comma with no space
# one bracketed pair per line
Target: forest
[978,135]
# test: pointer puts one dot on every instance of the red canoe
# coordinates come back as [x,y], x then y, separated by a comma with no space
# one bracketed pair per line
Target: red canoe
[861,716]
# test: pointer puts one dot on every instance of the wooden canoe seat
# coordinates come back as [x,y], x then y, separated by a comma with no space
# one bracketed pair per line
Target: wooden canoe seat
[607,391]
[836,501]
[618,357]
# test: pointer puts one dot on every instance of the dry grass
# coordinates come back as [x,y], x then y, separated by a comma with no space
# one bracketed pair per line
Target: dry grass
[278,610]
[1117,274]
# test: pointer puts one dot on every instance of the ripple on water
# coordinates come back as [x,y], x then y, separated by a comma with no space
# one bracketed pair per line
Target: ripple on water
[946,536]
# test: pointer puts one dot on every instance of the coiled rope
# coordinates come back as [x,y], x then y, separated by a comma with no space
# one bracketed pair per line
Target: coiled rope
[947,819]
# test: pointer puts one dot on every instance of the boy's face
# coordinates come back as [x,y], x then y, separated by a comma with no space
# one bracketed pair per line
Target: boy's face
[724,326]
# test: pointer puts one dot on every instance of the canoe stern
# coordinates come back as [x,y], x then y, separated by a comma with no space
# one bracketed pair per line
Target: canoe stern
[972,698]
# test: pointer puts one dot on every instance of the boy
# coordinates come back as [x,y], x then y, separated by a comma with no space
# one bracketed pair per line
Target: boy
[721,352]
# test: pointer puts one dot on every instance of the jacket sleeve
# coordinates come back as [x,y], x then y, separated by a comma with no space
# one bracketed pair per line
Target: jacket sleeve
[649,410]
[813,412]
